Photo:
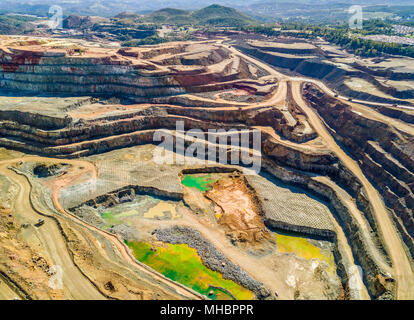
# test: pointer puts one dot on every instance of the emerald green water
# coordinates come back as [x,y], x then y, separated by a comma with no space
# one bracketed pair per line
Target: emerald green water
[201,182]
[181,263]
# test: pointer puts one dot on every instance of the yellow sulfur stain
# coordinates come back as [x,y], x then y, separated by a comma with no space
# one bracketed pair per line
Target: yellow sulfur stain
[182,263]
[303,248]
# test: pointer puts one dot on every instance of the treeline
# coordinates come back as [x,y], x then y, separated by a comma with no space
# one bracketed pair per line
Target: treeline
[145,41]
[262,29]
[155,39]
[362,47]
[351,40]
[369,27]
[16,24]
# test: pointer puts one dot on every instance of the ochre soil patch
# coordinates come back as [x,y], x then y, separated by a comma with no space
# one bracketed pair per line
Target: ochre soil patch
[21,264]
[237,210]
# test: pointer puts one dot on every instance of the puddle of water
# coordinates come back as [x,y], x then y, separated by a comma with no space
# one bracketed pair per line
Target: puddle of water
[143,206]
[110,218]
[302,247]
[201,182]
[113,218]
[161,210]
[181,263]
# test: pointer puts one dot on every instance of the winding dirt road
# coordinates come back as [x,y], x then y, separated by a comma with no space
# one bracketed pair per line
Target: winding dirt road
[403,271]
[74,280]
[401,264]
[7,291]
[76,286]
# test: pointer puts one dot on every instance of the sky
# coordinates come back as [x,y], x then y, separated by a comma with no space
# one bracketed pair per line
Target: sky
[113,7]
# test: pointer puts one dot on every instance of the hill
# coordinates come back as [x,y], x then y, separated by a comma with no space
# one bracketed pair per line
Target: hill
[16,24]
[212,15]
[172,16]
[215,11]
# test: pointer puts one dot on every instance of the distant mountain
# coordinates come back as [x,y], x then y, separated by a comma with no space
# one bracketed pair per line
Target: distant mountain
[126,15]
[15,24]
[212,15]
[217,14]
[171,16]
[171,12]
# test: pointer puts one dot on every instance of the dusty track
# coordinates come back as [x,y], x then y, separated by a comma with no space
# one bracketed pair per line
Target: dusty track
[76,282]
[80,288]
[7,292]
[346,99]
[322,85]
[374,115]
[401,263]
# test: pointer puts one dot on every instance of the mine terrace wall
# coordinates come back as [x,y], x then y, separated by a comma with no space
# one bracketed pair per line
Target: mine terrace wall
[79,136]
[397,114]
[316,68]
[373,274]
[372,271]
[90,138]
[35,120]
[55,72]
[378,147]
[309,67]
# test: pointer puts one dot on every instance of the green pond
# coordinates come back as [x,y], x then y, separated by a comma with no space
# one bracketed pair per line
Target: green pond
[201,182]
[181,263]
[144,206]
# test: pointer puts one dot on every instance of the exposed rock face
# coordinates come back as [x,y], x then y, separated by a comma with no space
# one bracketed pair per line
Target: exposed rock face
[88,137]
[33,119]
[365,251]
[133,72]
[153,77]
[397,114]
[126,194]
[385,154]
[310,65]
[44,171]
[303,219]
[302,58]
[41,72]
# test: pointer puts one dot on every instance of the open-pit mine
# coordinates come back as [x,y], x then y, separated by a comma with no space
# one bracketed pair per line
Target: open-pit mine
[87,211]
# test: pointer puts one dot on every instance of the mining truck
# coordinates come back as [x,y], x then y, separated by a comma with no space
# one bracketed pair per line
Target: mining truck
[40,223]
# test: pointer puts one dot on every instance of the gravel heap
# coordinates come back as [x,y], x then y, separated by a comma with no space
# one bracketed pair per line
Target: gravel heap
[211,257]
[125,231]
